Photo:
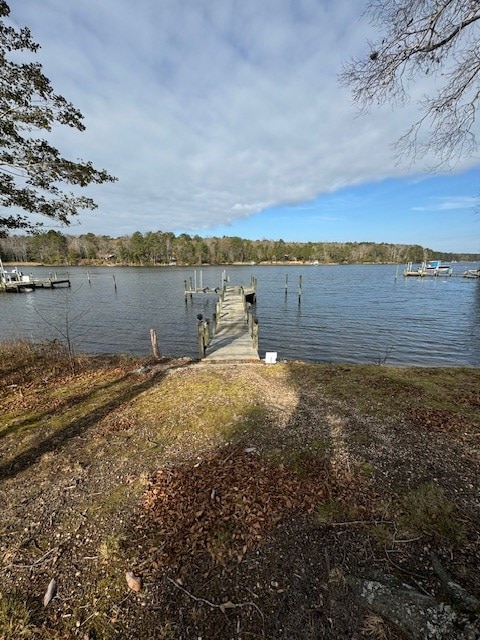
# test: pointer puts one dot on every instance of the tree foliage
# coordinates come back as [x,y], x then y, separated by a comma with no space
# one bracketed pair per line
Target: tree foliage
[419,40]
[164,248]
[31,169]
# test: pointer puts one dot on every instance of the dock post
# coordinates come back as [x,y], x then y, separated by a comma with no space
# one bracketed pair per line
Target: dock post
[153,340]
[88,278]
[114,282]
[203,334]
[201,343]
[286,284]
[299,289]
[255,334]
[206,326]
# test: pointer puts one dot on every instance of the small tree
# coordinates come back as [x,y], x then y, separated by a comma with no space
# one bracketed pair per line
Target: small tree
[419,39]
[31,170]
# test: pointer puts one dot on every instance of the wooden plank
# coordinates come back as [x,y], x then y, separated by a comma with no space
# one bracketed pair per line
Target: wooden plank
[232,339]
[50,283]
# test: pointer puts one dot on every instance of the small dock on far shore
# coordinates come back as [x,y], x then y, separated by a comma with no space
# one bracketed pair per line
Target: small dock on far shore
[17,286]
[234,334]
[15,281]
[51,283]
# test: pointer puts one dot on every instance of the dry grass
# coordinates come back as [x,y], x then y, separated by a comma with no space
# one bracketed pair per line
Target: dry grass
[297,470]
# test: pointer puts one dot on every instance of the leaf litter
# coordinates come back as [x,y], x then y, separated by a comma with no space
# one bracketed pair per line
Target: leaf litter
[246,527]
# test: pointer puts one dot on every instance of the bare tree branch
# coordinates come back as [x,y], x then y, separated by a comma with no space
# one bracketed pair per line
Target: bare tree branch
[422,39]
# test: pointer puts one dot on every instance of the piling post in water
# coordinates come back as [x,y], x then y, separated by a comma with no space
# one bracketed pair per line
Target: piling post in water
[255,334]
[201,343]
[203,334]
[299,289]
[154,343]
[114,282]
[88,278]
[207,332]
[286,284]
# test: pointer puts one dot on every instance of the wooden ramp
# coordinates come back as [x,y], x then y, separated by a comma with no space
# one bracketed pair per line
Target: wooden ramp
[236,334]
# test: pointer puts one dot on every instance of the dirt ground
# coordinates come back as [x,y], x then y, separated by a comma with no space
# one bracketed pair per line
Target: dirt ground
[240,499]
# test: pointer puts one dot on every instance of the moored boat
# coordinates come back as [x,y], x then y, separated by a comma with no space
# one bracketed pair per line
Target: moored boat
[471,273]
[14,280]
[430,268]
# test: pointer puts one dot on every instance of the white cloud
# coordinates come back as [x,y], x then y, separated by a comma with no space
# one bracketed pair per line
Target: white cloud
[211,110]
[448,203]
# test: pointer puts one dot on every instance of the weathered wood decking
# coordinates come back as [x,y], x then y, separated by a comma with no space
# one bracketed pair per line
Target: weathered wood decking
[50,283]
[235,332]
[17,286]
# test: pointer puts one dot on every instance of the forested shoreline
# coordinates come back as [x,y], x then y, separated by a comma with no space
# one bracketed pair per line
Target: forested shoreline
[165,248]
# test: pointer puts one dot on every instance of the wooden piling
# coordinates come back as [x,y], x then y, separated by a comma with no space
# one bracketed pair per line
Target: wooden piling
[154,343]
[203,335]
[255,334]
[299,289]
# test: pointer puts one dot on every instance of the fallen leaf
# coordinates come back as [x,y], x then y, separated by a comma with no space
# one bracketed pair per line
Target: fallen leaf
[50,593]
[133,581]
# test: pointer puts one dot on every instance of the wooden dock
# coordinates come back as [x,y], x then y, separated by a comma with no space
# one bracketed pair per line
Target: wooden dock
[17,286]
[50,283]
[234,333]
[432,268]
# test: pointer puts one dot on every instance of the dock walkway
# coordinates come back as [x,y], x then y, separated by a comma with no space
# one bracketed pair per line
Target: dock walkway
[236,332]
[17,286]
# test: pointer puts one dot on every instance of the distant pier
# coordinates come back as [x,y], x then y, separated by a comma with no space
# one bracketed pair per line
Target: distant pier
[15,281]
[233,335]
[50,283]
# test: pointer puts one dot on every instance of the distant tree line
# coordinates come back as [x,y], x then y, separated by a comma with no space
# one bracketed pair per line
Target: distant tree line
[164,248]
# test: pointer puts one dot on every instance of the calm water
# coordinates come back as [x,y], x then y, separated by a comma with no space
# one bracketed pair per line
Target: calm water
[351,313]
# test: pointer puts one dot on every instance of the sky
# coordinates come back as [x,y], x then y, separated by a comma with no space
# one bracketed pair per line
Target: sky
[226,117]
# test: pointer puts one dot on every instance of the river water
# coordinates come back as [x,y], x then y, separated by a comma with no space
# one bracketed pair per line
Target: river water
[347,313]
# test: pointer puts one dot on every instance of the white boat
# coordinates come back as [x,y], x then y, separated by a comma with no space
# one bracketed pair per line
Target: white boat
[431,268]
[436,268]
[15,280]
[471,273]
